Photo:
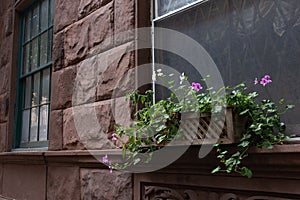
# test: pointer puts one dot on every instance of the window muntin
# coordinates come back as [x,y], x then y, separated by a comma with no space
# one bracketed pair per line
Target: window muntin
[35,75]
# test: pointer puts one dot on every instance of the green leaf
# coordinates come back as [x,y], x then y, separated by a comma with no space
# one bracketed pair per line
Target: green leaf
[290,106]
[136,161]
[237,154]
[244,144]
[217,169]
[246,172]
[244,112]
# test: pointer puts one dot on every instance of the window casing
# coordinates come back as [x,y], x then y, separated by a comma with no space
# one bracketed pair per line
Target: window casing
[34,75]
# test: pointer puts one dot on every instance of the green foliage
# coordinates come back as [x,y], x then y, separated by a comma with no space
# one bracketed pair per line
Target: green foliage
[157,124]
[264,128]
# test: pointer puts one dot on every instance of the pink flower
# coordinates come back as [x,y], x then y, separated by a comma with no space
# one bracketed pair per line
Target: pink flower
[255,81]
[196,86]
[114,137]
[265,80]
[105,159]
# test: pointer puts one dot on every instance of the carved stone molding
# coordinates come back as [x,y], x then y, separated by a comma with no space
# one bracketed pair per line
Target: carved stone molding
[169,193]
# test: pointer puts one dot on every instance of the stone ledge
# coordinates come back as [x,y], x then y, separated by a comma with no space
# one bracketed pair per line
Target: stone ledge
[283,159]
[80,157]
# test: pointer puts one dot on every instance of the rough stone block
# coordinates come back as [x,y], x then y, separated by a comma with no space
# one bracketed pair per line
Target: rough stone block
[4,80]
[88,6]
[88,32]
[115,78]
[3,139]
[101,27]
[76,42]
[56,130]
[65,13]
[62,86]
[71,139]
[24,181]
[63,183]
[99,184]
[4,107]
[124,20]
[105,74]
[58,51]
[88,125]
[8,23]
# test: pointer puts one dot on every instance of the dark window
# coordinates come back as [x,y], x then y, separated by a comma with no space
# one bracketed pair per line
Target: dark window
[246,39]
[35,75]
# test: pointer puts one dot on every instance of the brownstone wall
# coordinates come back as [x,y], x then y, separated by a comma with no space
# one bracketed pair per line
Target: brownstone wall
[6,38]
[83,31]
[82,28]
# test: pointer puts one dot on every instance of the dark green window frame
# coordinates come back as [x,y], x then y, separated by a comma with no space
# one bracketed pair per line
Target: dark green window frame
[34,75]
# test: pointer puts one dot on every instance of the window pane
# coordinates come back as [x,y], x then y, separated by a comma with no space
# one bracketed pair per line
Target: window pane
[25,125]
[36,89]
[51,11]
[45,86]
[26,58]
[27,20]
[34,54]
[44,15]
[35,21]
[27,92]
[43,123]
[166,6]
[34,124]
[43,48]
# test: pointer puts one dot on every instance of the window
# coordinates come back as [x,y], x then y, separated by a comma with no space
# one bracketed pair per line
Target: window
[246,39]
[35,59]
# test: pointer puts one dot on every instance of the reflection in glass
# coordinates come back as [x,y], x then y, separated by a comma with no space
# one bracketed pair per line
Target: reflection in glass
[44,15]
[34,124]
[27,92]
[45,86]
[51,11]
[35,21]
[43,48]
[166,6]
[25,125]
[34,54]
[35,91]
[27,21]
[43,123]
[26,59]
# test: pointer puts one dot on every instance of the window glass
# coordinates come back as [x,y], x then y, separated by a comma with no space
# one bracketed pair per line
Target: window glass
[166,6]
[246,39]
[35,74]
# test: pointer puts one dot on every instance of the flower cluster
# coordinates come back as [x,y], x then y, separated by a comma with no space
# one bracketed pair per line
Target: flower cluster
[114,137]
[196,86]
[107,162]
[264,81]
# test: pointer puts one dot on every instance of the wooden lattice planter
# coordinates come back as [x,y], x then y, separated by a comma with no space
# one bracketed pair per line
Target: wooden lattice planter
[225,129]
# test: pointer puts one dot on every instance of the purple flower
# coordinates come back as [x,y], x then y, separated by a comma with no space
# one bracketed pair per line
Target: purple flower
[267,77]
[105,159]
[114,137]
[255,81]
[265,80]
[196,86]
